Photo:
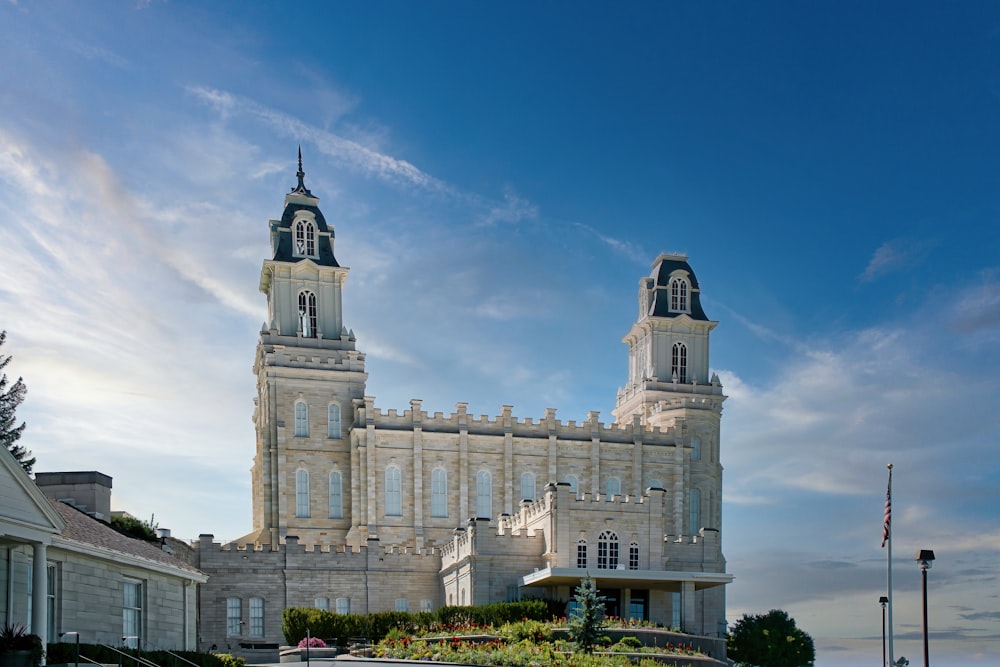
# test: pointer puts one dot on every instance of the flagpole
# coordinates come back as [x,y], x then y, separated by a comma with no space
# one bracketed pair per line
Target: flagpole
[887,542]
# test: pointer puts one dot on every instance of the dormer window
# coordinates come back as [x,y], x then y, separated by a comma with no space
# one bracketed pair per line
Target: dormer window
[679,295]
[305,239]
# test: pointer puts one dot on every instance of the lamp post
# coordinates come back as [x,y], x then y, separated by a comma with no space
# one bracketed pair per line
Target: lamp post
[883,601]
[925,557]
[77,635]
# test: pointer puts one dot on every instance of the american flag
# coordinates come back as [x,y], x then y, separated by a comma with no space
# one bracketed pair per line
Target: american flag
[887,519]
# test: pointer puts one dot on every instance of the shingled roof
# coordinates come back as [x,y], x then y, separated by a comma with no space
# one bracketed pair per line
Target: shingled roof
[87,530]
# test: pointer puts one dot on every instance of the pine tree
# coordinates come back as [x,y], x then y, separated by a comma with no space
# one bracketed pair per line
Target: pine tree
[9,400]
[587,619]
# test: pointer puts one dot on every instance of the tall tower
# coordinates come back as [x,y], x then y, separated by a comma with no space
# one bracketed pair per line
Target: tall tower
[308,376]
[669,384]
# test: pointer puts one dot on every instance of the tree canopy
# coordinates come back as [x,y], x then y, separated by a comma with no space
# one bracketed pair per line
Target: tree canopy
[10,433]
[770,640]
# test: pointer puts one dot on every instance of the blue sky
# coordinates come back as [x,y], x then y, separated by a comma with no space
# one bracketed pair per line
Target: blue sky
[500,176]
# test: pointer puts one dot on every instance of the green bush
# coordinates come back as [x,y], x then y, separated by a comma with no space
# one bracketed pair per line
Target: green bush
[627,644]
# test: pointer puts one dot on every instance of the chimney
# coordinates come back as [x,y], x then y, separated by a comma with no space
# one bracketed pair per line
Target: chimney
[89,491]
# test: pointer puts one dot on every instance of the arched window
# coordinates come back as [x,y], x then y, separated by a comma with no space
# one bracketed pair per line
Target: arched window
[234,617]
[301,419]
[336,495]
[439,492]
[581,554]
[484,494]
[654,484]
[343,605]
[573,483]
[322,603]
[679,363]
[613,486]
[633,556]
[695,448]
[679,295]
[307,314]
[333,421]
[694,514]
[305,239]
[527,486]
[607,551]
[393,492]
[302,493]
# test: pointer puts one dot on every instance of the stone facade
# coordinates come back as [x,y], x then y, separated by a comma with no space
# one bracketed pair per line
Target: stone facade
[365,509]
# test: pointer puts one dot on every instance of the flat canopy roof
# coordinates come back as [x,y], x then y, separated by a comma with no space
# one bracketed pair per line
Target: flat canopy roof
[655,579]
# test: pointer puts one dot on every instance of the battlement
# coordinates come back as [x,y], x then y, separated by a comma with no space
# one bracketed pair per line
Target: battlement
[461,421]
[480,539]
[216,554]
[693,394]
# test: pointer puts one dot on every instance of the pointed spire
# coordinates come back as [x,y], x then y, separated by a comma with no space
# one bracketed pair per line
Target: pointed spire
[301,188]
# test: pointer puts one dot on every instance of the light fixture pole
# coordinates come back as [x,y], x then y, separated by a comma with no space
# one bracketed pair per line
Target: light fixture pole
[883,601]
[925,557]
[77,635]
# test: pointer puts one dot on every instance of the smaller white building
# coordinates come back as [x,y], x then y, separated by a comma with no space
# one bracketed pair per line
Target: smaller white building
[63,569]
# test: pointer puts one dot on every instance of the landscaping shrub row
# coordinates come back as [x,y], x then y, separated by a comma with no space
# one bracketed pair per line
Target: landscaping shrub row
[338,628]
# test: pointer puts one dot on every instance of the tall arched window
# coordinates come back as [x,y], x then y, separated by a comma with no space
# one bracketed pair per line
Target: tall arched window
[581,554]
[301,419]
[679,295]
[694,513]
[695,448]
[305,239]
[484,494]
[393,492]
[439,492]
[302,493]
[307,314]
[527,486]
[679,362]
[655,484]
[336,495]
[573,483]
[607,551]
[333,421]
[633,556]
[613,486]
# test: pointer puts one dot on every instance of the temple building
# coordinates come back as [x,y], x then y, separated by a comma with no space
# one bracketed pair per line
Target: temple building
[357,508]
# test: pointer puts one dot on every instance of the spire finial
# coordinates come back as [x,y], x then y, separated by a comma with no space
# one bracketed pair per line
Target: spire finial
[301,187]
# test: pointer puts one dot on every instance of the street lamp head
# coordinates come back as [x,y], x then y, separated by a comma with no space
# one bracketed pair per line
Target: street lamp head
[926,558]
[883,601]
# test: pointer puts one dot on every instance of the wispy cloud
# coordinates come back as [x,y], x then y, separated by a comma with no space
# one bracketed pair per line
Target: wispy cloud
[513,210]
[894,255]
[627,249]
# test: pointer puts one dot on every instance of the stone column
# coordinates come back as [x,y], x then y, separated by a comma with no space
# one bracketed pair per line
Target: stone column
[689,622]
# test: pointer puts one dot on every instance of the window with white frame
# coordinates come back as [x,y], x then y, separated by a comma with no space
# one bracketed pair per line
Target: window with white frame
[694,516]
[302,493]
[51,600]
[613,486]
[581,554]
[527,486]
[308,314]
[322,603]
[301,419]
[484,494]
[333,422]
[607,551]
[132,606]
[305,239]
[402,604]
[633,556]
[256,617]
[679,295]
[234,617]
[439,493]
[393,492]
[336,495]
[695,448]
[343,605]
[679,363]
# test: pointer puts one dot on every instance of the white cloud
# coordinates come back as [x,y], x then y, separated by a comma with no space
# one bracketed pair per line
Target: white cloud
[894,255]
